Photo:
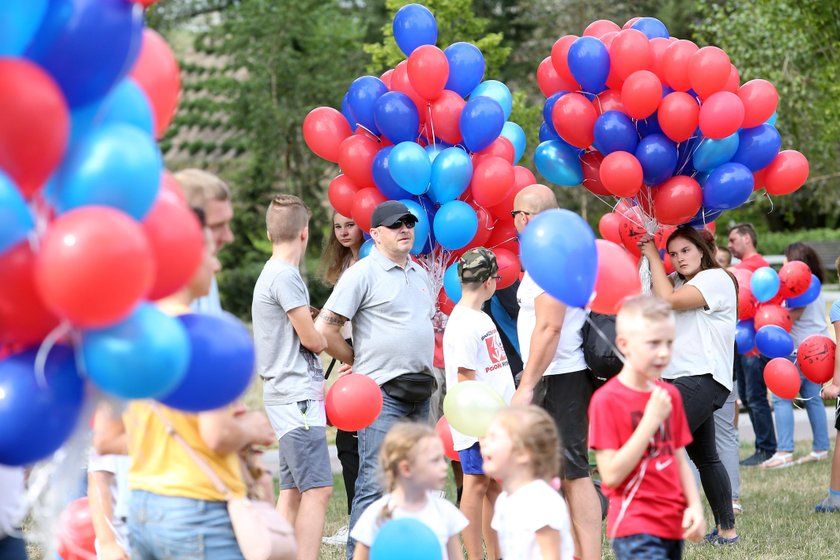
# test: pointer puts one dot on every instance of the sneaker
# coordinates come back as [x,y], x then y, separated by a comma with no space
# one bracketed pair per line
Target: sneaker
[813,456]
[756,458]
[723,541]
[779,460]
[827,506]
[339,538]
[711,536]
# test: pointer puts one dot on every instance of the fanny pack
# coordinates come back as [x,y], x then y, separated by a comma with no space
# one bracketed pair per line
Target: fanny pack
[411,387]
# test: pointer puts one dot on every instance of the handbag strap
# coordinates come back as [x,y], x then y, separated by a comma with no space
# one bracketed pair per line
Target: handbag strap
[197,459]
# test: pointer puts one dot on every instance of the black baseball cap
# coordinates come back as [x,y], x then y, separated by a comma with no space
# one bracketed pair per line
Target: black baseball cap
[389,212]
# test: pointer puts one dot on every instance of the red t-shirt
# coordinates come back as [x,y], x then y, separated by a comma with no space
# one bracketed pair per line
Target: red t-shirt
[752,263]
[658,504]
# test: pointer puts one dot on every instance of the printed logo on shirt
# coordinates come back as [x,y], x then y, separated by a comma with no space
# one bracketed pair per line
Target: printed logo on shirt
[662,442]
[495,350]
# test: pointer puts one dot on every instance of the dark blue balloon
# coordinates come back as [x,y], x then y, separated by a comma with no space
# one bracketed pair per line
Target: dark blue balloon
[658,156]
[589,62]
[651,27]
[615,132]
[728,186]
[745,336]
[548,109]
[466,67]
[547,133]
[396,117]
[382,176]
[810,295]
[87,45]
[704,216]
[414,25]
[774,342]
[362,97]
[758,146]
[649,126]
[482,120]
[348,113]
[38,415]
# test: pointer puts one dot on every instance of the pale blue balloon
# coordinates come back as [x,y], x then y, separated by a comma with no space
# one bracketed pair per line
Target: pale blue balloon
[455,224]
[558,163]
[421,228]
[451,174]
[773,117]
[125,104]
[516,135]
[764,284]
[366,247]
[19,21]
[496,91]
[712,153]
[434,150]
[15,218]
[451,283]
[410,167]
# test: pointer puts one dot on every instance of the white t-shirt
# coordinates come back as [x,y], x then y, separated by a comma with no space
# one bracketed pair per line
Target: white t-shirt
[471,341]
[439,515]
[568,357]
[520,515]
[705,341]
[12,501]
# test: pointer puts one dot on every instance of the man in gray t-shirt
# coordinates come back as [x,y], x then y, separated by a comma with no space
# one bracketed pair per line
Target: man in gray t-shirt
[388,297]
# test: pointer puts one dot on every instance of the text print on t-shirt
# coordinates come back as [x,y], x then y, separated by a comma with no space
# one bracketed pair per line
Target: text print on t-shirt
[661,446]
[495,350]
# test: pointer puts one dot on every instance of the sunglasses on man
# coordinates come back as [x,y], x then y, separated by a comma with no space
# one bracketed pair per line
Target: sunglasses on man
[407,222]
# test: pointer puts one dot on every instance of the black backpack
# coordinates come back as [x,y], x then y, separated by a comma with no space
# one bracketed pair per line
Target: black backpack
[600,354]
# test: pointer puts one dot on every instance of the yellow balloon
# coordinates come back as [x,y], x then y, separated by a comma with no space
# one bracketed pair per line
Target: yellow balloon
[469,407]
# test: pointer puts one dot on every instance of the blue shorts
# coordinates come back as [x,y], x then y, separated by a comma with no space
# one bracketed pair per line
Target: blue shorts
[471,461]
[646,547]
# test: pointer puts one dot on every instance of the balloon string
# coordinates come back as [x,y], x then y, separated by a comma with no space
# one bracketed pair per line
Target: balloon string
[431,124]
[64,328]
[691,155]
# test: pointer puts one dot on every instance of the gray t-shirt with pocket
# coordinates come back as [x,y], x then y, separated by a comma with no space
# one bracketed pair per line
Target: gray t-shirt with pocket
[290,371]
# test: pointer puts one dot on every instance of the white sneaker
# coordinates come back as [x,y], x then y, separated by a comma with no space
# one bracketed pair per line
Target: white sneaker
[339,538]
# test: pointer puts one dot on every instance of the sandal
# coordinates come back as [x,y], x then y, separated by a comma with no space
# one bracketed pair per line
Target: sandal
[813,456]
[778,461]
[723,541]
[712,536]
[826,506]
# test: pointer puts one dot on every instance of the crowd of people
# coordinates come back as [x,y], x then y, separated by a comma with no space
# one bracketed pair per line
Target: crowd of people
[526,488]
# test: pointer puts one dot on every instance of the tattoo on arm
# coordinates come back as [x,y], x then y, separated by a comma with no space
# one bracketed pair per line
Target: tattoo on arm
[331,318]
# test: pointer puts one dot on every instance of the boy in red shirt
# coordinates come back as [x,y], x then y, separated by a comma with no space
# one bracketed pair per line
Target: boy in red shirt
[638,430]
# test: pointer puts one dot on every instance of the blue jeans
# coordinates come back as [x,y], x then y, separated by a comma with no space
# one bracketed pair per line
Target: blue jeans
[749,370]
[783,409]
[368,489]
[12,548]
[166,527]
[646,547]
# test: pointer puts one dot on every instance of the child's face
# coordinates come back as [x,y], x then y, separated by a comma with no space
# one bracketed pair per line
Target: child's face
[428,467]
[685,256]
[497,451]
[647,346]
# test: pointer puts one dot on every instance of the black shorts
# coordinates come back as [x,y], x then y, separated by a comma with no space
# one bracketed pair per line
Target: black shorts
[567,401]
[837,416]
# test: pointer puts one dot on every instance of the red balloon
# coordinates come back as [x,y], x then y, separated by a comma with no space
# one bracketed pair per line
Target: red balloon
[550,82]
[630,231]
[522,177]
[169,183]
[574,118]
[675,64]
[677,200]
[621,173]
[94,266]
[445,435]
[815,357]
[355,157]
[353,402]
[504,236]
[678,116]
[733,82]
[509,267]
[364,204]
[500,147]
[428,71]
[658,46]
[34,124]
[759,179]
[617,279]
[342,193]
[629,53]
[746,302]
[446,116]
[386,77]
[75,533]
[177,242]
[608,100]
[786,173]
[630,22]
[560,59]
[708,71]
[485,227]
[492,181]
[760,100]
[445,304]
[24,317]
[608,227]
[401,83]
[782,378]
[794,279]
[641,94]
[324,129]
[599,27]
[721,115]
[156,72]
[591,165]
[769,314]
[145,3]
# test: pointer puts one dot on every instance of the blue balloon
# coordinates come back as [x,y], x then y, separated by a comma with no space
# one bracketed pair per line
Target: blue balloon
[649,126]
[414,26]
[712,153]
[497,91]
[745,336]
[125,104]
[348,113]
[221,363]
[764,284]
[143,356]
[559,163]
[589,62]
[451,283]
[547,133]
[21,18]
[364,250]
[15,219]
[421,228]
[115,165]
[38,415]
[407,539]
[382,176]
[758,146]
[651,27]
[728,186]
[451,174]
[362,97]
[774,342]
[615,132]
[482,120]
[87,45]
[410,167]
[466,67]
[455,224]
[548,110]
[396,117]
[658,156]
[810,295]
[557,240]
[516,135]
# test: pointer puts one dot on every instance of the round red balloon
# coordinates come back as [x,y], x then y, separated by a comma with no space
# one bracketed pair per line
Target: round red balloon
[353,402]
[504,236]
[355,157]
[75,533]
[446,115]
[522,177]
[401,83]
[815,357]
[509,267]
[760,100]
[574,118]
[708,70]
[641,94]
[721,114]
[550,82]
[445,304]
[782,378]
[629,53]
[678,116]
[485,227]
[445,435]
[746,302]
[324,129]
[608,227]
[786,173]
[675,65]
[769,314]
[617,278]
[608,100]
[677,200]
[428,71]
[658,46]
[24,317]
[342,194]
[599,27]
[156,72]
[733,82]
[621,173]
[590,162]
[500,147]
[364,204]
[794,279]
[560,59]
[492,181]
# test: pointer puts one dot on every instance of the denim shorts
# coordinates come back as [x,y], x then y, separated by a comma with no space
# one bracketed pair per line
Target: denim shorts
[471,461]
[647,547]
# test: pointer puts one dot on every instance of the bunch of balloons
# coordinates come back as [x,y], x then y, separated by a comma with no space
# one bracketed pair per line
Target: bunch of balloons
[92,228]
[432,134]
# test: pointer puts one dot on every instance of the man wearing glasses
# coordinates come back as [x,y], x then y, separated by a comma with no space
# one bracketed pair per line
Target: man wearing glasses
[389,299]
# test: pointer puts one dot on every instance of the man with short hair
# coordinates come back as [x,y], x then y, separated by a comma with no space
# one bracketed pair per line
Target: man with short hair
[749,370]
[388,297]
[552,349]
